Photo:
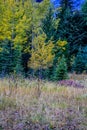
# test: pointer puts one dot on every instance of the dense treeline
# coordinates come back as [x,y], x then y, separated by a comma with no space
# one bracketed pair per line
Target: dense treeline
[36,38]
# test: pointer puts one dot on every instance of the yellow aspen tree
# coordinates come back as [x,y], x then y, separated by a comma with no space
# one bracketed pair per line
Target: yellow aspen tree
[14,22]
[17,18]
[41,54]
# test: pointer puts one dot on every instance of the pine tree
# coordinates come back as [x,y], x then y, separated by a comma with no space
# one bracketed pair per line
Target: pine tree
[84,10]
[49,24]
[66,9]
[61,70]
[65,4]
[85,58]
[10,58]
[18,68]
[65,14]
[79,64]
[6,57]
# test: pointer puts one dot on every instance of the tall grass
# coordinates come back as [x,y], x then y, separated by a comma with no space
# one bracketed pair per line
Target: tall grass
[56,108]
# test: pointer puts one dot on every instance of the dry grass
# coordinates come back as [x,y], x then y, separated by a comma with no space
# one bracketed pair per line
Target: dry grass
[55,108]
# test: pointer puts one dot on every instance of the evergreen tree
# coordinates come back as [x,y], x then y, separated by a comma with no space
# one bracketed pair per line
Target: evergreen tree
[85,58]
[61,70]
[84,10]
[6,57]
[66,8]
[79,63]
[65,15]
[49,24]
[10,58]
[18,68]
[66,4]
[62,31]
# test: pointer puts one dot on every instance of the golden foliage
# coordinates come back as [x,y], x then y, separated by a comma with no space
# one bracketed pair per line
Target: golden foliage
[41,53]
[61,43]
[18,17]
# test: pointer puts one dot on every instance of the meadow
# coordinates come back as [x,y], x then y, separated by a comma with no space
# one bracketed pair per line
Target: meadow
[51,107]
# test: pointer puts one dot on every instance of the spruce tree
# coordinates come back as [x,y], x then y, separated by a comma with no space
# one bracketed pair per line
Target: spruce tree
[18,68]
[66,4]
[6,57]
[61,70]
[84,10]
[66,8]
[79,64]
[49,24]
[85,58]
[10,58]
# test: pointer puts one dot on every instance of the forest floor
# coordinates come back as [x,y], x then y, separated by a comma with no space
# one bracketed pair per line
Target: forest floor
[52,107]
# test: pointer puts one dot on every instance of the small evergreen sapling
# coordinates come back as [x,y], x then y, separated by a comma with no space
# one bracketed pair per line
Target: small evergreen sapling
[80,63]
[61,70]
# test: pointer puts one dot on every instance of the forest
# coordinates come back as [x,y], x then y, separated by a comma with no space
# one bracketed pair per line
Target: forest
[37,38]
[43,65]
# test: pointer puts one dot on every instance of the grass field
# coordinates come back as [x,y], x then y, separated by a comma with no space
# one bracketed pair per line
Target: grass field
[52,107]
